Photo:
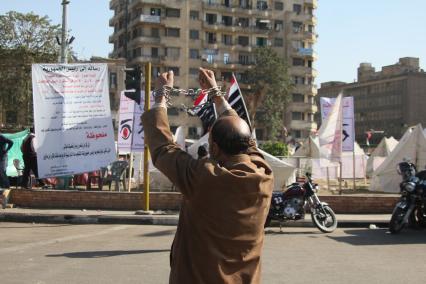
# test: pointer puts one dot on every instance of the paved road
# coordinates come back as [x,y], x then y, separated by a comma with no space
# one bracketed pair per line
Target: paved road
[39,253]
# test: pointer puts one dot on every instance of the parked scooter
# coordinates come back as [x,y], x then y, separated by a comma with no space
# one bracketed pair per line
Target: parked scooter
[291,204]
[411,208]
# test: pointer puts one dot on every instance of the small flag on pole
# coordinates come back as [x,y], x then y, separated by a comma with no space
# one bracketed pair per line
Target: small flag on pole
[236,100]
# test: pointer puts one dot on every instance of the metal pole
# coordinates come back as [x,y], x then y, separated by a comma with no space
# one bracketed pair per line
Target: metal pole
[146,151]
[64,32]
[354,165]
[130,172]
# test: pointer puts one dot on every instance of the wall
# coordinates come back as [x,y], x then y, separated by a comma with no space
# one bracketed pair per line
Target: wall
[171,201]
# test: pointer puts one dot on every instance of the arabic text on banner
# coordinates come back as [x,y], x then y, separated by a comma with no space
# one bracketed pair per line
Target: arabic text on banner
[72,118]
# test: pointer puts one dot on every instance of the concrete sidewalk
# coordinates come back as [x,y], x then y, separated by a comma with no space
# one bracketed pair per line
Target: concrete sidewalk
[159,218]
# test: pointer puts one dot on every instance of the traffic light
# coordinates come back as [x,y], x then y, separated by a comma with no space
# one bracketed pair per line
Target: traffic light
[133,84]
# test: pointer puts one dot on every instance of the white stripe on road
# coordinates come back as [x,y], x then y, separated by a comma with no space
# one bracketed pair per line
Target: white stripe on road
[64,239]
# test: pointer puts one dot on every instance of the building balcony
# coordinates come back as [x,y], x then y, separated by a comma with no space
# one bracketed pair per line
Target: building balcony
[142,40]
[302,107]
[147,58]
[302,35]
[306,89]
[312,3]
[304,52]
[171,60]
[133,3]
[151,19]
[303,71]
[303,125]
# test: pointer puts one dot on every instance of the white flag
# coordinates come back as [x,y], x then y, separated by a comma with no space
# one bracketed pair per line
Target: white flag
[330,132]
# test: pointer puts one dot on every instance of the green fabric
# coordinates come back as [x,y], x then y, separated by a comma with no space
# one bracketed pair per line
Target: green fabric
[15,151]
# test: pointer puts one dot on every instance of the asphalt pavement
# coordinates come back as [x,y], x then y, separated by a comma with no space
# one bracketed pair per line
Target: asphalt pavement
[119,253]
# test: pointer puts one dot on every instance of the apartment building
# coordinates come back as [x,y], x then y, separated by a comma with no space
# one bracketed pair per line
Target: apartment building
[389,100]
[222,35]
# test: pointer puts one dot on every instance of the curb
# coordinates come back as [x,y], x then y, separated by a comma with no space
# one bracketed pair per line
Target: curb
[170,220]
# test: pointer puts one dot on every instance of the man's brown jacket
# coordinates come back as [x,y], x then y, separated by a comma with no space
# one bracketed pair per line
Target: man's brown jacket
[220,233]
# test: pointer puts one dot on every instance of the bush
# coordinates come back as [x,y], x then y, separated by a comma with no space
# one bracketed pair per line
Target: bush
[275,148]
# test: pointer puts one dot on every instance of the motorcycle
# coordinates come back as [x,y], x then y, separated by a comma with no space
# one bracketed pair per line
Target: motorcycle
[411,208]
[291,204]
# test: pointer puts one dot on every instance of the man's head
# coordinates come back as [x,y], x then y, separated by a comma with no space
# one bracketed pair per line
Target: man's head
[229,135]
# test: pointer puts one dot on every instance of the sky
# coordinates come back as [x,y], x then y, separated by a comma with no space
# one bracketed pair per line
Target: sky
[350,31]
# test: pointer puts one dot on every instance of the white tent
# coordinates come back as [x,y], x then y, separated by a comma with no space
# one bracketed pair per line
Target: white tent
[284,173]
[412,147]
[379,154]
[311,149]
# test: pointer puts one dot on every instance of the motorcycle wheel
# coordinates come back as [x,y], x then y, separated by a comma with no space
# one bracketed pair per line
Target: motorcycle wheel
[416,219]
[396,223]
[327,222]
[267,222]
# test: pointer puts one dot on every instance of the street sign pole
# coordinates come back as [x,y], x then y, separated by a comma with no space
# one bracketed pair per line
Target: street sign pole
[146,150]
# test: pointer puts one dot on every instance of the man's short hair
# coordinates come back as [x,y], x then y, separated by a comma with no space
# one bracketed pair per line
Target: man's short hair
[231,141]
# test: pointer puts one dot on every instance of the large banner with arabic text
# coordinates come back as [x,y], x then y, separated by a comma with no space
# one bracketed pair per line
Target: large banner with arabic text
[72,117]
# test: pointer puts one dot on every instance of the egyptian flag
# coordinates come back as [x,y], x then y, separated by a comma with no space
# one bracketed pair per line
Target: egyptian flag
[205,110]
[236,100]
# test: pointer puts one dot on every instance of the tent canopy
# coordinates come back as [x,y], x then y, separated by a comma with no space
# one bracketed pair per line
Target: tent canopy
[412,147]
[385,147]
[379,154]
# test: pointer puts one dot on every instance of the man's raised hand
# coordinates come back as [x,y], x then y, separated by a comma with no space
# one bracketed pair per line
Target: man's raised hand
[206,79]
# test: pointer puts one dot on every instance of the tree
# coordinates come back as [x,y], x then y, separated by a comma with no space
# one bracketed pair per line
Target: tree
[275,148]
[270,86]
[25,39]
[29,32]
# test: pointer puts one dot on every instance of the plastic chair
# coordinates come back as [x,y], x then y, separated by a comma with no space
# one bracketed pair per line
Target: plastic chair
[118,170]
[64,182]
[100,177]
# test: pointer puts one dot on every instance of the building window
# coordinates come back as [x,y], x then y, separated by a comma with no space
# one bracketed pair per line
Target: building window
[174,69]
[297,8]
[155,11]
[244,4]
[227,39]
[172,32]
[155,70]
[226,58]
[175,13]
[261,41]
[297,115]
[278,41]
[278,25]
[193,71]
[279,6]
[194,15]
[243,22]
[211,19]
[262,5]
[154,52]
[155,32]
[194,34]
[297,27]
[299,80]
[173,52]
[211,37]
[243,40]
[297,134]
[298,62]
[244,59]
[210,58]
[227,20]
[194,54]
[298,98]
